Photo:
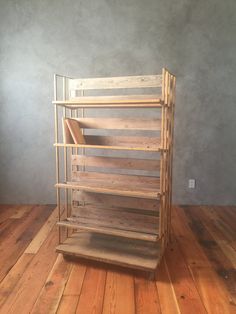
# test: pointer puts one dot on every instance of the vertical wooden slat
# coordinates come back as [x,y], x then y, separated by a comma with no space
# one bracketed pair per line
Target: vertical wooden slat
[65,152]
[57,154]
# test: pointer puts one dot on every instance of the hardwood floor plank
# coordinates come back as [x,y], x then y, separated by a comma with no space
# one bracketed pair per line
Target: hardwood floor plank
[91,297]
[167,297]
[75,281]
[192,250]
[72,289]
[219,261]
[40,237]
[14,275]
[21,236]
[213,294]
[187,295]
[6,211]
[119,294]
[146,296]
[68,304]
[52,290]
[26,291]
[20,211]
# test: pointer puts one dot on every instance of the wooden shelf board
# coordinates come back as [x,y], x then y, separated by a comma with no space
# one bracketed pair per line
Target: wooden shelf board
[110,249]
[113,101]
[113,189]
[147,149]
[106,230]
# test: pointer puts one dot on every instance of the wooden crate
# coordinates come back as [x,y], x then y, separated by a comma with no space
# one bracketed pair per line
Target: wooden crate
[114,176]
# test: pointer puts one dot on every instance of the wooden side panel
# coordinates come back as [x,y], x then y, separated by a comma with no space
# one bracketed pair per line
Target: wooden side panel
[145,81]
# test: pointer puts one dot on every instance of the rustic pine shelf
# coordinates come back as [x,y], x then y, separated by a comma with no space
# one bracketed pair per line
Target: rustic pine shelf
[112,249]
[114,205]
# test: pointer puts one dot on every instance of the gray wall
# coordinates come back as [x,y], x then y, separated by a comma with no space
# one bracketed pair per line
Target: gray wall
[194,39]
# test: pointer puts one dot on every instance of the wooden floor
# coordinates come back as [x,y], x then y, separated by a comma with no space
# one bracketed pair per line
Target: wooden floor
[197,275]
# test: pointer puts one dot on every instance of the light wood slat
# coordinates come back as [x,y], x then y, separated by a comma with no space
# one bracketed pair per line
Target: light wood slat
[109,231]
[113,162]
[112,201]
[146,149]
[119,218]
[115,250]
[113,179]
[73,104]
[114,190]
[143,81]
[125,141]
[130,216]
[120,123]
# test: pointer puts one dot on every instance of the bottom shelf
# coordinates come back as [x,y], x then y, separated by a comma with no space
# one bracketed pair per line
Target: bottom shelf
[114,250]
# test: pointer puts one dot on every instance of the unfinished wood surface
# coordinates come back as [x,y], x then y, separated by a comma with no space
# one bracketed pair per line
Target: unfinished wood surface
[84,224]
[143,219]
[141,81]
[111,201]
[154,184]
[124,141]
[75,131]
[93,286]
[115,184]
[112,162]
[114,250]
[115,221]
[114,189]
[66,134]
[120,123]
[147,149]
[142,181]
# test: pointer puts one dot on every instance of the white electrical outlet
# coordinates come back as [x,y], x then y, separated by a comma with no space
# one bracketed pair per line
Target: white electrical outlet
[191,183]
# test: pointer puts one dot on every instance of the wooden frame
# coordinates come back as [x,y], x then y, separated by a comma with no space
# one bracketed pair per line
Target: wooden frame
[117,204]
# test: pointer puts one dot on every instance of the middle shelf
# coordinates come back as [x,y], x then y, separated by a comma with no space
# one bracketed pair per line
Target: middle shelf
[115,184]
[115,221]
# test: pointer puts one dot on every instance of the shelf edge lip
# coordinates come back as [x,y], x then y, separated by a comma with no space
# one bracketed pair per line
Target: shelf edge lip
[114,101]
[141,105]
[64,185]
[109,147]
[152,237]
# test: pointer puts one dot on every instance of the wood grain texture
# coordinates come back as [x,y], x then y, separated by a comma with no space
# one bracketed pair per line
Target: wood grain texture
[184,283]
[146,296]
[111,201]
[119,294]
[120,124]
[112,162]
[114,250]
[145,148]
[141,81]
[92,294]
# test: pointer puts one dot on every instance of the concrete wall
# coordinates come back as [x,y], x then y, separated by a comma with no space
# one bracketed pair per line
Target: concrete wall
[194,39]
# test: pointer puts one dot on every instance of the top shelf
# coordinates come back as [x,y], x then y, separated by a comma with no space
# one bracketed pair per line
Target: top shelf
[119,101]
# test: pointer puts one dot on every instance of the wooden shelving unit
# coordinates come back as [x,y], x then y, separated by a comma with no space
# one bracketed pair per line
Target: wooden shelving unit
[114,183]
